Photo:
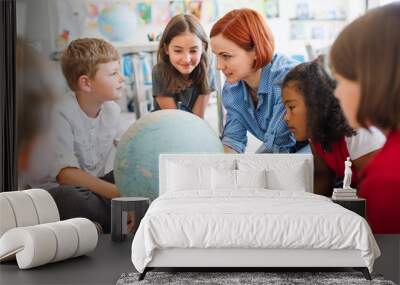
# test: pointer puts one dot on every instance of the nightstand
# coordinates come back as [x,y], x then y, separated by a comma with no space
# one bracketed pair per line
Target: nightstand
[357,205]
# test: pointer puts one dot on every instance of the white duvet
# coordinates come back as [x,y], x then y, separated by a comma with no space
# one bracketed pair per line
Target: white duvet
[250,219]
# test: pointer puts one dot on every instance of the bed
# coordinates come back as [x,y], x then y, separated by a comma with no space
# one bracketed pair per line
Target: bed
[247,210]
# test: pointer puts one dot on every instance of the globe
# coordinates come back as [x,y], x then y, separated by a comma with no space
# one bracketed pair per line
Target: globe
[164,131]
[116,23]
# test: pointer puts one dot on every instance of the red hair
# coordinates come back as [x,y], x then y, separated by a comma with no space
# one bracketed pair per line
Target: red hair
[248,29]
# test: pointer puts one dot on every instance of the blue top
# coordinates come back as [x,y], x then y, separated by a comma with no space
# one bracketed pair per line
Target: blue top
[265,121]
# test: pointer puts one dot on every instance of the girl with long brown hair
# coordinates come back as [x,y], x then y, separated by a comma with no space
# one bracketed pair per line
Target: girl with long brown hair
[182,77]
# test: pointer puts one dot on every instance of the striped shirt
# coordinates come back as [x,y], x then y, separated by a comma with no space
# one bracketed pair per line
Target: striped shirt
[265,121]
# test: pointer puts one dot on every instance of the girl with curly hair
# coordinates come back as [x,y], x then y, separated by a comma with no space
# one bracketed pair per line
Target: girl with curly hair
[313,113]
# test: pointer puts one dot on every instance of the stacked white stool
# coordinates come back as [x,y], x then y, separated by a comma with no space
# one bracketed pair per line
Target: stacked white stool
[31,230]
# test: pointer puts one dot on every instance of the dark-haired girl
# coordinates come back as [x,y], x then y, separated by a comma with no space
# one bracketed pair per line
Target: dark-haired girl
[313,113]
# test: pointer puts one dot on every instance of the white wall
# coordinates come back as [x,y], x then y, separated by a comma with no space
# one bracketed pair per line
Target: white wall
[43,21]
[33,23]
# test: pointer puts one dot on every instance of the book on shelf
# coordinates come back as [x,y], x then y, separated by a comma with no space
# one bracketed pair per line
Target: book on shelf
[345,194]
[339,193]
[344,198]
[341,190]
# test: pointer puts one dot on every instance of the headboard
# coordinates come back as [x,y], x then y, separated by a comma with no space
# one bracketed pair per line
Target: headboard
[240,161]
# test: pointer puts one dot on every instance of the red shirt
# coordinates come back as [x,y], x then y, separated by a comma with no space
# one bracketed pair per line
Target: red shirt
[336,157]
[380,185]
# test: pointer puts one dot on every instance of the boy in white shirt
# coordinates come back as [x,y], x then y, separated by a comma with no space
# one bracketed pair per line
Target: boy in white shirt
[88,125]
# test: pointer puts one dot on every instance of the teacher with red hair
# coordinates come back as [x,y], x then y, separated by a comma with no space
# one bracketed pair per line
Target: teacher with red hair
[245,51]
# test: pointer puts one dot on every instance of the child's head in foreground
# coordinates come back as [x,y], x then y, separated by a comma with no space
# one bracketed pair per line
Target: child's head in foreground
[365,60]
[35,95]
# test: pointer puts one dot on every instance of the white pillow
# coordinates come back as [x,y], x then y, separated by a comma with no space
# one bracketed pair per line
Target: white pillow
[188,177]
[251,178]
[283,172]
[193,174]
[292,179]
[223,179]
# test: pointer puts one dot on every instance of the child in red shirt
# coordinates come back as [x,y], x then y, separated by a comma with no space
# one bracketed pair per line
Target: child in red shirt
[313,113]
[366,63]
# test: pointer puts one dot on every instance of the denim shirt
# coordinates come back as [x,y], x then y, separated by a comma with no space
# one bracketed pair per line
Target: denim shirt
[266,120]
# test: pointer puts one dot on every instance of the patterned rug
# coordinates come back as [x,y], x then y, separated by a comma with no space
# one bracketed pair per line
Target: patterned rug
[242,278]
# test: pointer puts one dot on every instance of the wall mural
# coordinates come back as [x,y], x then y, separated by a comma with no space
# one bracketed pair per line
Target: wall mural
[115,20]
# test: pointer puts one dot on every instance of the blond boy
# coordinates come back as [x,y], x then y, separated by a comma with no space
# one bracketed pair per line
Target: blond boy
[88,125]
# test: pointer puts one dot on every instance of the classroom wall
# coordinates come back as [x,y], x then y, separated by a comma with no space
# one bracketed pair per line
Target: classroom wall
[51,24]
[34,23]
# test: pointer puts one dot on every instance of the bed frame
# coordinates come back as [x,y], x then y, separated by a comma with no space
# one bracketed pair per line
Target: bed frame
[242,259]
